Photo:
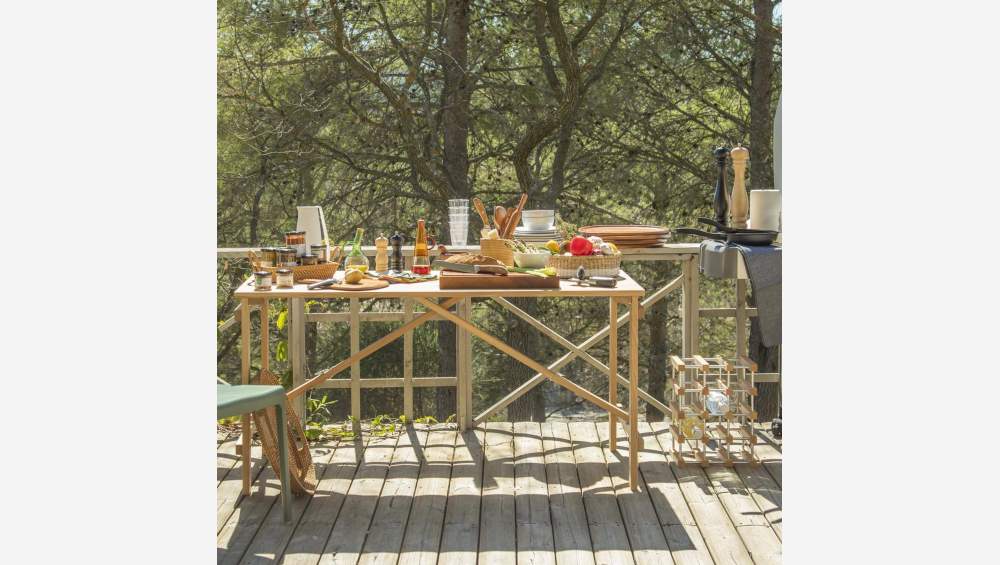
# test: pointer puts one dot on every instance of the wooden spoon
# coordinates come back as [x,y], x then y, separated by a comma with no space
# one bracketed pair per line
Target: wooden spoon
[499,215]
[478,205]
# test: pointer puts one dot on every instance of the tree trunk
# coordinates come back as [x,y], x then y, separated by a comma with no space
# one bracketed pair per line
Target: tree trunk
[455,119]
[761,82]
[768,403]
[656,369]
[521,336]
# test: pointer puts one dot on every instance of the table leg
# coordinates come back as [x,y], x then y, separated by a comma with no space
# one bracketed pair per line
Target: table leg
[467,363]
[633,395]
[613,373]
[689,329]
[296,324]
[356,366]
[245,379]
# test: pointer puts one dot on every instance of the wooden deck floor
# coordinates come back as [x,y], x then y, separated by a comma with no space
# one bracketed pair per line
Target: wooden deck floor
[518,493]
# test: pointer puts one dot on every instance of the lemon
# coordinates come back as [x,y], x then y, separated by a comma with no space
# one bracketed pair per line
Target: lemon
[552,245]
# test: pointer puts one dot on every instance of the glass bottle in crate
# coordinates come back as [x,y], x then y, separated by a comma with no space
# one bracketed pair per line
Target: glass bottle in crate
[356,259]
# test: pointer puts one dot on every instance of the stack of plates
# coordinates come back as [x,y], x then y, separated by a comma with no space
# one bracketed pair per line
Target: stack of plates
[626,236]
[535,236]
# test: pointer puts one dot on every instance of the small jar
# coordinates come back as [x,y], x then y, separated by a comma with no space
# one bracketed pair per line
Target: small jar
[308,260]
[296,240]
[268,257]
[319,250]
[286,257]
[262,280]
[285,278]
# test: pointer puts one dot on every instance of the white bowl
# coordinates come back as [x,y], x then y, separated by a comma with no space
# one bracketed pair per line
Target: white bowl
[531,260]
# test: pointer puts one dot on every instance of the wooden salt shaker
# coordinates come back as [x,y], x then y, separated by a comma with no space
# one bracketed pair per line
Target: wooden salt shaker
[381,254]
[740,201]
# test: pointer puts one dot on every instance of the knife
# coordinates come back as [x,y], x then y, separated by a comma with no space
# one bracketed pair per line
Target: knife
[464,268]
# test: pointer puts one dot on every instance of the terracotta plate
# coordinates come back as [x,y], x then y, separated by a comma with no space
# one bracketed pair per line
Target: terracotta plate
[623,230]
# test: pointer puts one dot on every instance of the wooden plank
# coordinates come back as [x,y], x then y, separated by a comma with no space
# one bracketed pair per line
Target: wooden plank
[460,536]
[753,527]
[613,371]
[385,535]
[296,325]
[423,534]
[391,382]
[408,362]
[314,527]
[770,456]
[497,537]
[607,529]
[230,491]
[272,537]
[226,456]
[246,431]
[355,332]
[571,534]
[764,491]
[348,535]
[649,546]
[687,547]
[239,531]
[531,505]
[466,368]
[633,396]
[723,542]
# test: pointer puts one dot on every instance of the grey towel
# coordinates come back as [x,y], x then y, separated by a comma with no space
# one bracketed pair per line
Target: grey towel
[763,264]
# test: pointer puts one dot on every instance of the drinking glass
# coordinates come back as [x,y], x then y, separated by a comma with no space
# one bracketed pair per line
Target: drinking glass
[458,227]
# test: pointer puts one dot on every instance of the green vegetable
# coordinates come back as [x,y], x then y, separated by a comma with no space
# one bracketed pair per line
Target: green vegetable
[546,272]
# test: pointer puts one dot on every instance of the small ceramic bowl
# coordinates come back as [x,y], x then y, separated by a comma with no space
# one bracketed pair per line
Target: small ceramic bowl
[531,260]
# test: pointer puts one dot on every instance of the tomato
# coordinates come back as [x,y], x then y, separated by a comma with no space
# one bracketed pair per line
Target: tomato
[580,245]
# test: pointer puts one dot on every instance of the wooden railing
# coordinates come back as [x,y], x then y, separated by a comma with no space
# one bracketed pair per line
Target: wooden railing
[690,312]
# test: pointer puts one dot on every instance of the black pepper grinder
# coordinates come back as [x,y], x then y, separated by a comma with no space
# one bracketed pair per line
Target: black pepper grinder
[721,200]
[396,258]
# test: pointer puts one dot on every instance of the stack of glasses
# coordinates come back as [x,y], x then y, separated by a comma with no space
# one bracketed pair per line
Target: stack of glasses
[458,221]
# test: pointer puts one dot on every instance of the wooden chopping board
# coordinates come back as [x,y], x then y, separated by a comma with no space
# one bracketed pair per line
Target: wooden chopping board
[365,284]
[450,280]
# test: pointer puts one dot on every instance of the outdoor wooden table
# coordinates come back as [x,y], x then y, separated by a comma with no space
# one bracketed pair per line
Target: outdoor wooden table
[437,302]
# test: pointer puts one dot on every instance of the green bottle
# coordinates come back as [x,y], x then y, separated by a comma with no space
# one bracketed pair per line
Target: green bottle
[357,259]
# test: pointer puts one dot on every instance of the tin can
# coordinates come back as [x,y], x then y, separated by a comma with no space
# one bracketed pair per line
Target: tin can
[268,257]
[285,278]
[286,257]
[296,240]
[262,280]
[319,250]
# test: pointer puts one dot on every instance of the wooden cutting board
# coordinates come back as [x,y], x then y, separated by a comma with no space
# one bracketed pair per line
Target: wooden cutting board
[623,230]
[450,280]
[365,284]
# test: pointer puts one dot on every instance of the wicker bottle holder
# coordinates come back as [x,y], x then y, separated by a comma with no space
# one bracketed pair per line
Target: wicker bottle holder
[595,265]
[321,271]
[498,249]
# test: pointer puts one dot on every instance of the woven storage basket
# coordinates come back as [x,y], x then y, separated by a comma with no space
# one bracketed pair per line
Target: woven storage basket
[498,249]
[596,265]
[321,271]
[300,466]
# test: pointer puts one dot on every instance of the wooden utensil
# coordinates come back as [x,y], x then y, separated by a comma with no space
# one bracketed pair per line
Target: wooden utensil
[481,210]
[499,215]
[740,201]
[515,216]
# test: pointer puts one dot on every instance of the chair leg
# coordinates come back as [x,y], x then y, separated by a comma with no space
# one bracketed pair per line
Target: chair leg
[286,499]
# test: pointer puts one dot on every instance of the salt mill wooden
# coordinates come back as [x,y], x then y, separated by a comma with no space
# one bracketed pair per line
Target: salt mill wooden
[721,198]
[740,202]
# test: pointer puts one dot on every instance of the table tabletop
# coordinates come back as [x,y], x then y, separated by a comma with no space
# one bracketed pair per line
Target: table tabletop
[627,287]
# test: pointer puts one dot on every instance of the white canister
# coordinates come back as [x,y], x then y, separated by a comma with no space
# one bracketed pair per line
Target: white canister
[765,210]
[312,221]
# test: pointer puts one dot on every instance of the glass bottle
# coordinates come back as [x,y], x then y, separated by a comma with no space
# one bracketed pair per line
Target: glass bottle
[357,259]
[421,257]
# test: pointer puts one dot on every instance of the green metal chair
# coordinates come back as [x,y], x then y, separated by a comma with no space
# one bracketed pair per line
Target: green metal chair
[233,400]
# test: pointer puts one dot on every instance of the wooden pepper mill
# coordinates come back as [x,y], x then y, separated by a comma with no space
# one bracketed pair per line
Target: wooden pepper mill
[740,207]
[381,254]
[721,197]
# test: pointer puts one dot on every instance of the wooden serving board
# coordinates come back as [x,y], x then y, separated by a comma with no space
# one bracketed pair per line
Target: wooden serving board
[365,284]
[450,280]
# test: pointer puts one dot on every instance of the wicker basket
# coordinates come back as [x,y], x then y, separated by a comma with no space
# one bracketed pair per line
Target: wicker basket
[596,265]
[498,249]
[321,271]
